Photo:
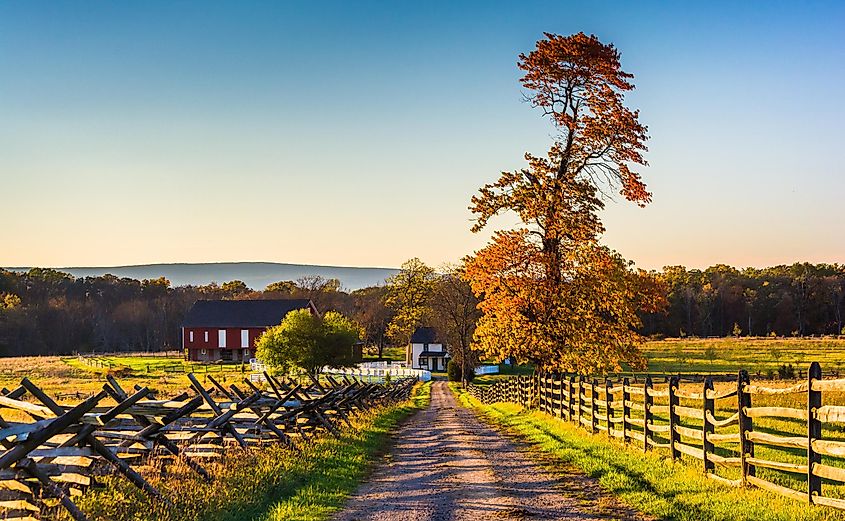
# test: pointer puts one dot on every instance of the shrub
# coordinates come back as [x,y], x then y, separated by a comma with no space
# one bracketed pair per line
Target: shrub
[453,372]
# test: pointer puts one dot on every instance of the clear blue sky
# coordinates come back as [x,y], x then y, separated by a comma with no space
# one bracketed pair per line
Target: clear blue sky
[354,133]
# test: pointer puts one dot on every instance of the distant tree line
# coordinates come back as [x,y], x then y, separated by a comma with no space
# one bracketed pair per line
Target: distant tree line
[796,300]
[45,311]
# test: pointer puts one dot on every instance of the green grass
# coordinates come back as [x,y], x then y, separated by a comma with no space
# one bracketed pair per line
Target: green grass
[759,356]
[646,481]
[154,365]
[389,353]
[753,354]
[505,371]
[269,484]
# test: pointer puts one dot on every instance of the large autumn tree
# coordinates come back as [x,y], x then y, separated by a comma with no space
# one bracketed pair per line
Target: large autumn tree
[552,294]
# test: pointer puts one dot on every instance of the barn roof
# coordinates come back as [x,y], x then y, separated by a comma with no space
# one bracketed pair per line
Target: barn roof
[241,313]
[424,335]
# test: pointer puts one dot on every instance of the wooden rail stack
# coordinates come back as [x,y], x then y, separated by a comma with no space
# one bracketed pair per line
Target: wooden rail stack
[60,451]
[718,427]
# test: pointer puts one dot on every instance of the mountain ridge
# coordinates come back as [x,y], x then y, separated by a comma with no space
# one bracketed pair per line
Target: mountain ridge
[256,275]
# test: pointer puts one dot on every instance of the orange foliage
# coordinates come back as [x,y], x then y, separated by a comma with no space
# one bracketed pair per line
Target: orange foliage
[578,82]
[553,295]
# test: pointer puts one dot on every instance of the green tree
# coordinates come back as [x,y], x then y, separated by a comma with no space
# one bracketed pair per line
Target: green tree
[408,295]
[285,287]
[308,342]
[234,288]
[9,301]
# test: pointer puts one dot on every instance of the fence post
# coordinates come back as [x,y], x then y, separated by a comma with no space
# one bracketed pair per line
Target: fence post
[626,409]
[543,385]
[559,395]
[580,401]
[708,428]
[814,431]
[746,425]
[647,401]
[570,400]
[526,391]
[594,408]
[673,418]
[608,397]
[522,392]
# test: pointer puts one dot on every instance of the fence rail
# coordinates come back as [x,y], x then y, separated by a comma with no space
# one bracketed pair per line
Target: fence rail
[62,450]
[715,427]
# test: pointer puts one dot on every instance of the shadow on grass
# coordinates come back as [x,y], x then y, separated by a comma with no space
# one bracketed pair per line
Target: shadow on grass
[648,482]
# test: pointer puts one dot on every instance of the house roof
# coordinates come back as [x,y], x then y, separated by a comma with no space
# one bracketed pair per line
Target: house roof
[424,335]
[241,313]
[435,354]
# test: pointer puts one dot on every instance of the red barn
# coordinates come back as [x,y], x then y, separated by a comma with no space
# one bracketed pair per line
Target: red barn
[227,329]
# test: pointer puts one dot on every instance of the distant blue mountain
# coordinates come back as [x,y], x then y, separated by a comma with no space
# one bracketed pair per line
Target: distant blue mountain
[256,275]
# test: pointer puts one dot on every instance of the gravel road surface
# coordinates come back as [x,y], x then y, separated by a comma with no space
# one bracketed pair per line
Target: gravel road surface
[445,464]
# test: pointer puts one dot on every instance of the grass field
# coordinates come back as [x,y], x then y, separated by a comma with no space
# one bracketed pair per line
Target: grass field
[649,482]
[756,355]
[761,357]
[271,484]
[64,377]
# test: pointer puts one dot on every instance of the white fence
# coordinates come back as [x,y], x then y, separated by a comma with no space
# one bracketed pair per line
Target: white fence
[378,371]
[487,369]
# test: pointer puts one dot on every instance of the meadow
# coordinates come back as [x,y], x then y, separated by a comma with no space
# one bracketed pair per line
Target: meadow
[756,355]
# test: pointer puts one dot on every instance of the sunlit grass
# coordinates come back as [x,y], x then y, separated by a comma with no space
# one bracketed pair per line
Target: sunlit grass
[756,355]
[273,483]
[649,482]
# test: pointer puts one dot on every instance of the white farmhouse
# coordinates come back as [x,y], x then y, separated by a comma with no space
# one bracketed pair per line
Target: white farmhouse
[426,351]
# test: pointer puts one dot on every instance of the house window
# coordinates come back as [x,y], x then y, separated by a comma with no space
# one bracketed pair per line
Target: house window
[191,336]
[423,362]
[206,336]
[244,337]
[221,338]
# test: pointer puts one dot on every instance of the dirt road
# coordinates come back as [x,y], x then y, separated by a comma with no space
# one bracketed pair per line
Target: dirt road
[447,465]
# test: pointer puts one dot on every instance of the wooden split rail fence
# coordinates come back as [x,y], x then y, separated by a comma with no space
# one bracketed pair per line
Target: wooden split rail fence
[720,427]
[60,451]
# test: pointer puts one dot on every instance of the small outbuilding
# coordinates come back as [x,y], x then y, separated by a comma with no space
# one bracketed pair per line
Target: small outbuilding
[426,350]
[226,330]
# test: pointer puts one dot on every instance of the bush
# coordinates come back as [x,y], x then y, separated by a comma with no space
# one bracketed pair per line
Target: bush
[453,372]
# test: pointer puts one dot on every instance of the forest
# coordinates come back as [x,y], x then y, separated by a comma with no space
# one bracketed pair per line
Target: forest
[48,312]
[44,311]
[801,299]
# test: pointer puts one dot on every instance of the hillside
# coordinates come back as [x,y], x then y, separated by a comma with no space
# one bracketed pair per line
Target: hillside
[255,274]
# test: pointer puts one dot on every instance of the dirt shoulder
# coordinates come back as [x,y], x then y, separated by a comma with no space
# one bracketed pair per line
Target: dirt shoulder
[445,464]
